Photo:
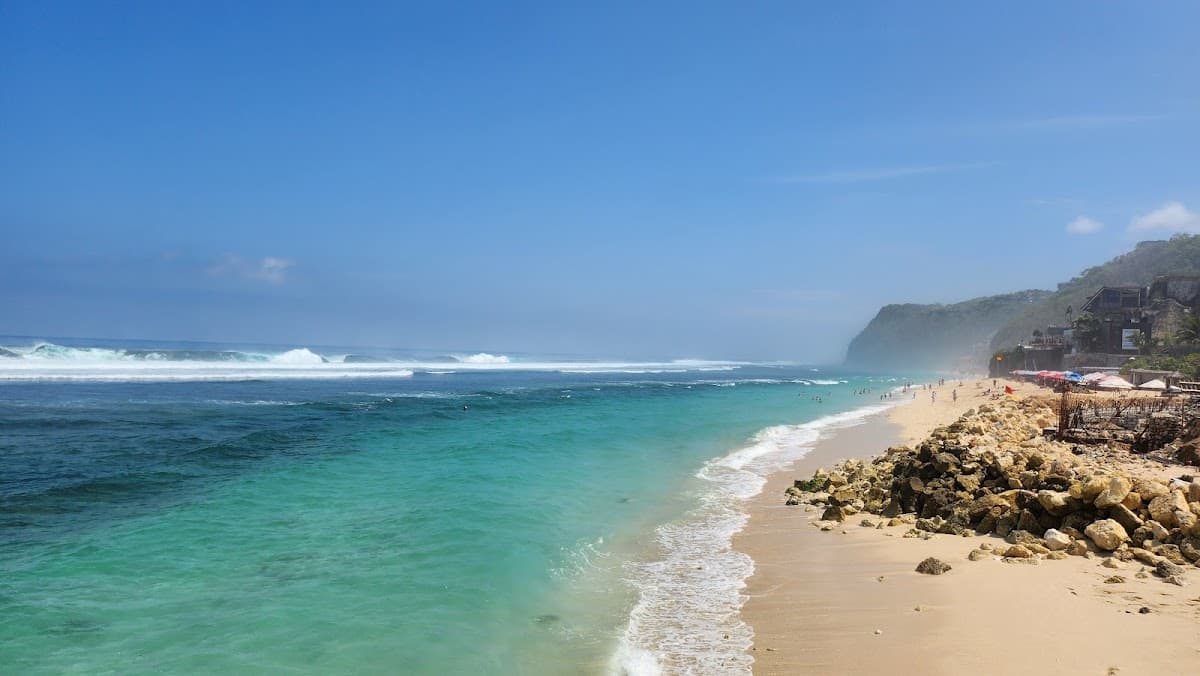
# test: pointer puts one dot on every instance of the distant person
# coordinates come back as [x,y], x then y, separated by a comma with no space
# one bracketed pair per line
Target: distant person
[954,395]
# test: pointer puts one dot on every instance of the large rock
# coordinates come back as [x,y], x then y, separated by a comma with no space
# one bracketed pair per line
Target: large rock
[945,463]
[1132,500]
[1090,489]
[932,566]
[834,513]
[1118,487]
[1188,523]
[1189,548]
[1107,534]
[1162,508]
[1056,540]
[1125,517]
[1054,502]
[968,482]
[1150,488]
[843,495]
[1077,548]
[1017,552]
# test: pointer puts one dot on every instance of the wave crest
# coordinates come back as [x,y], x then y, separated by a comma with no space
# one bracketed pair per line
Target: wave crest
[485,358]
[299,357]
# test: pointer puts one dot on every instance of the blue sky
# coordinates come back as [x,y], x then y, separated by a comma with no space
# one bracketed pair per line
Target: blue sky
[723,180]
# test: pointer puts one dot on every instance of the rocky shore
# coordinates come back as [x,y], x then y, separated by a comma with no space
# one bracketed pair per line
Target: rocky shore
[846,596]
[994,472]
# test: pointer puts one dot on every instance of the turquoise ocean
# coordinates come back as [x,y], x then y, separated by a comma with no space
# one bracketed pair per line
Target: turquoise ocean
[199,508]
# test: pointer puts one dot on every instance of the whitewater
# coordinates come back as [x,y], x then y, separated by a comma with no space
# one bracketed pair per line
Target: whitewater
[52,362]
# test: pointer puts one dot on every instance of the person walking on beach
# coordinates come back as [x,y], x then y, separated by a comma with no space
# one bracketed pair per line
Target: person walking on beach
[954,395]
[933,396]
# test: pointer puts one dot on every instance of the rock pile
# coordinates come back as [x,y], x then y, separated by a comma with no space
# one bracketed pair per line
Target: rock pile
[992,471]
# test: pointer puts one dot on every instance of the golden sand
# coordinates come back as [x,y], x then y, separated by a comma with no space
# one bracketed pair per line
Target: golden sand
[848,601]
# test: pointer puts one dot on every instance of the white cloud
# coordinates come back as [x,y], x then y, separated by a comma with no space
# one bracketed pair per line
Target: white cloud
[1084,226]
[879,174]
[269,269]
[1172,217]
[273,270]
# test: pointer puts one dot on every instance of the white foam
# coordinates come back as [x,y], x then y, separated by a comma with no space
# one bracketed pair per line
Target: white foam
[55,363]
[485,358]
[686,619]
[183,375]
[300,357]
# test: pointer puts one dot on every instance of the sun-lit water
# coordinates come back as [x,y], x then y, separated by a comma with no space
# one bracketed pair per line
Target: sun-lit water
[461,518]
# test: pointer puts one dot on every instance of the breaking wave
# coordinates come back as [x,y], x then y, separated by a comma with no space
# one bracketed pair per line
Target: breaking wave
[51,362]
[485,358]
[686,619]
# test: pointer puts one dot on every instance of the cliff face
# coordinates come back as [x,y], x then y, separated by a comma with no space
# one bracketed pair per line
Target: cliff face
[913,337]
[1179,255]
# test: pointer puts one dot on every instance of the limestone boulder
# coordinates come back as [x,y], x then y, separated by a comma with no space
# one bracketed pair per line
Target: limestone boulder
[1132,500]
[1188,523]
[1162,508]
[1126,518]
[1116,490]
[1017,552]
[1056,540]
[1055,502]
[1089,490]
[1150,489]
[1107,534]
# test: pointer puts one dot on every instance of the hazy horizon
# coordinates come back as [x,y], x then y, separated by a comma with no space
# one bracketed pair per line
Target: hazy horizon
[645,182]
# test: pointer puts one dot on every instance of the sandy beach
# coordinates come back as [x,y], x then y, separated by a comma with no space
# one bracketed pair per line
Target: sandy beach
[848,600]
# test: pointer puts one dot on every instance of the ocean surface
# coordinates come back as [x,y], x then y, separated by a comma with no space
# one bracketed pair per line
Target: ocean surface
[182,508]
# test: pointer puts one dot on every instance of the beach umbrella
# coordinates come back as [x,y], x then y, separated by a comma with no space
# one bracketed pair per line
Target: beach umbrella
[1093,377]
[1155,384]
[1073,376]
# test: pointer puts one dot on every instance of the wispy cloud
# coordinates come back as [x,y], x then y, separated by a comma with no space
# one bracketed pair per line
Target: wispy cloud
[881,173]
[1171,217]
[1084,226]
[269,269]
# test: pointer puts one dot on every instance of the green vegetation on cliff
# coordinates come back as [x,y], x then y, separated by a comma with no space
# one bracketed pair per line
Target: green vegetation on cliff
[1179,255]
[913,337]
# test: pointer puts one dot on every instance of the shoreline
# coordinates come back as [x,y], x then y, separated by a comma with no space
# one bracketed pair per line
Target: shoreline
[849,601]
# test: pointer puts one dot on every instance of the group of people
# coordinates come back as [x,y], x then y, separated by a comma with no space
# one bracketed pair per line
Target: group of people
[905,389]
[941,382]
